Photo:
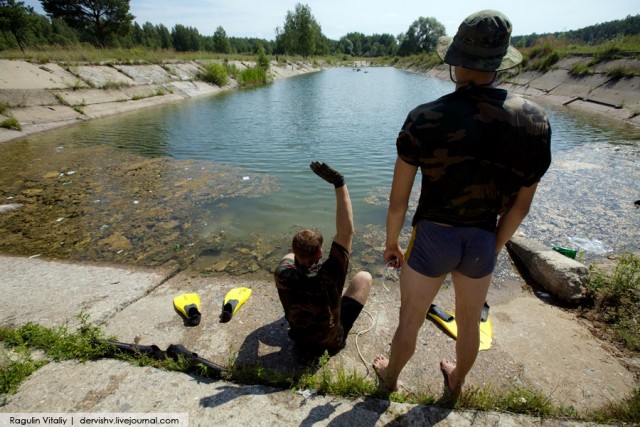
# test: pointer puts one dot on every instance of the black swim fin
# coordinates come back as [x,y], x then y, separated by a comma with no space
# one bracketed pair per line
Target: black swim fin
[188,306]
[152,350]
[176,350]
[232,302]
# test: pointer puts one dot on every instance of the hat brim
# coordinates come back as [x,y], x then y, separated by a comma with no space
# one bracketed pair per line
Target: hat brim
[453,56]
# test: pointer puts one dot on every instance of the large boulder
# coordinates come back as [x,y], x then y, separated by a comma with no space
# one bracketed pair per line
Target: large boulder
[561,276]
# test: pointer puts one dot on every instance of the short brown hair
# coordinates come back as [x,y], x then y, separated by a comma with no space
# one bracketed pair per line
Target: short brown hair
[306,243]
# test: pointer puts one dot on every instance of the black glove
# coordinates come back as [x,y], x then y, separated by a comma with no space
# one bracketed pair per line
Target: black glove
[327,173]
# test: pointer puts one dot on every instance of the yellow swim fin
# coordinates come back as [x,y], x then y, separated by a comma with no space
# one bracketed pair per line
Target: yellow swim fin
[234,299]
[188,306]
[448,321]
[486,329]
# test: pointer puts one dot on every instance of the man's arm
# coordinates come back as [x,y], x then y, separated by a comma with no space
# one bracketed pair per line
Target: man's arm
[344,212]
[511,220]
[403,176]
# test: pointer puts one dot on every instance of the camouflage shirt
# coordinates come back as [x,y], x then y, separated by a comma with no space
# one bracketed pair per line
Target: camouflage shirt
[312,299]
[476,147]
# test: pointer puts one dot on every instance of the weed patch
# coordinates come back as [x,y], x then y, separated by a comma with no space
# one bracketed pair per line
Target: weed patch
[11,123]
[254,76]
[214,73]
[616,299]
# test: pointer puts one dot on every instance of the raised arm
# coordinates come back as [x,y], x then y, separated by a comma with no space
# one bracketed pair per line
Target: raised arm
[344,212]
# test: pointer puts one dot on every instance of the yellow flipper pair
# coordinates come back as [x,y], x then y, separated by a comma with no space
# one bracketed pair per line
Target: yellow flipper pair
[188,305]
[448,321]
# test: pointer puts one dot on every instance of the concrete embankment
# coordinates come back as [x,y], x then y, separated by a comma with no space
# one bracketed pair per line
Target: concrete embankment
[535,345]
[46,96]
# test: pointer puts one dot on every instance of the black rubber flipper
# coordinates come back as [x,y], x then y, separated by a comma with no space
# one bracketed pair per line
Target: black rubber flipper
[485,312]
[176,350]
[152,350]
[437,311]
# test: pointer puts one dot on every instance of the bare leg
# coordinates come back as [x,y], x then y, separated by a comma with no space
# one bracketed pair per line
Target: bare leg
[416,294]
[470,297]
[359,287]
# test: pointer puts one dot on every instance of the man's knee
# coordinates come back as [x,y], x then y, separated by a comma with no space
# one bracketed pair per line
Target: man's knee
[360,286]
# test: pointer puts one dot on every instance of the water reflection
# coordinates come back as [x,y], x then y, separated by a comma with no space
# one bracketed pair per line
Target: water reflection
[223,182]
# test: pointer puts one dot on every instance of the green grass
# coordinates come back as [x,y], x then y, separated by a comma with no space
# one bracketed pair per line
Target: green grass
[581,69]
[616,298]
[254,76]
[215,73]
[4,106]
[11,123]
[88,343]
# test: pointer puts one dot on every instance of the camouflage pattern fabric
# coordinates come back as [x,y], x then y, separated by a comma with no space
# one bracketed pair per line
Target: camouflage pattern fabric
[312,300]
[476,147]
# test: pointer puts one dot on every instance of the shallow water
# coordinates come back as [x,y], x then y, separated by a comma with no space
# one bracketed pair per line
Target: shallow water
[221,183]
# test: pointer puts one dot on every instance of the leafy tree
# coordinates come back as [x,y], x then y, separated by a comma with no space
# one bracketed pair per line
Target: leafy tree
[164,36]
[17,19]
[100,21]
[301,33]
[221,42]
[185,39]
[422,36]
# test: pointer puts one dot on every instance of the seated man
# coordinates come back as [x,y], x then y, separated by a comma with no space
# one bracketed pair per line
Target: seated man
[319,316]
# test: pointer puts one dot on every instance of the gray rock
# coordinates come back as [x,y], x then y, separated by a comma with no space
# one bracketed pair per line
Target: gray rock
[561,276]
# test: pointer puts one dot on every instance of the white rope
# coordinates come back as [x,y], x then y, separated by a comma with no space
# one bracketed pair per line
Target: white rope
[373,322]
[385,272]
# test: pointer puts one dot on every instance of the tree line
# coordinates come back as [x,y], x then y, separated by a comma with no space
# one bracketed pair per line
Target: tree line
[108,23]
[594,34]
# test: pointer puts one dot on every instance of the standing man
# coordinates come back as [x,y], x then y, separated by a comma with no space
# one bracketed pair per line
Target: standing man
[481,152]
[319,315]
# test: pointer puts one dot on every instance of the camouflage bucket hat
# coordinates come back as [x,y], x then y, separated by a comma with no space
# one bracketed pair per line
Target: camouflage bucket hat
[482,43]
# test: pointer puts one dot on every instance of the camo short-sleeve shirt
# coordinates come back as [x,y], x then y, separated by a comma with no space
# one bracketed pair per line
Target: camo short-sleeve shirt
[476,147]
[312,300]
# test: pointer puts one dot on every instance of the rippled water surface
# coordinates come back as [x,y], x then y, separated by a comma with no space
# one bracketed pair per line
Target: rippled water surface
[230,176]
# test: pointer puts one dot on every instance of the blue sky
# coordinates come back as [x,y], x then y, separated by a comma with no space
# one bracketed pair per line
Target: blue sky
[259,18]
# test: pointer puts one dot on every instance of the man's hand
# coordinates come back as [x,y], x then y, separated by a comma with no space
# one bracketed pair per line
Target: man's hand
[327,173]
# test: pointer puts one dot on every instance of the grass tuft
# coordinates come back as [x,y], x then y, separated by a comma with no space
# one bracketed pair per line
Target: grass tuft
[11,123]
[215,73]
[616,298]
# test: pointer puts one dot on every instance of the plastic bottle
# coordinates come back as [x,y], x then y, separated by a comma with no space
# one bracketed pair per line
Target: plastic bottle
[571,253]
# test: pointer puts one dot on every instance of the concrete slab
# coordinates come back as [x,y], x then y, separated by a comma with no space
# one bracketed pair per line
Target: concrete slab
[102,76]
[24,75]
[549,81]
[109,387]
[184,71]
[9,134]
[18,98]
[110,108]
[52,293]
[195,88]
[45,114]
[92,96]
[571,368]
[622,92]
[145,74]
[582,87]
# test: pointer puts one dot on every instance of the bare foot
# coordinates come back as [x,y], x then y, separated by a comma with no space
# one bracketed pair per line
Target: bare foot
[380,363]
[451,382]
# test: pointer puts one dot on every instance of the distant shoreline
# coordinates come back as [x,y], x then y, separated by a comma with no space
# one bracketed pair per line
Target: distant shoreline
[41,97]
